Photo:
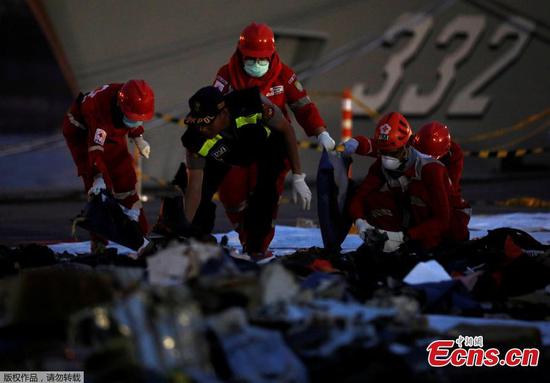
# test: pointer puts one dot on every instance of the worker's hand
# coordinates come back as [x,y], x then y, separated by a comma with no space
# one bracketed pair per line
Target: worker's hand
[143,146]
[97,186]
[324,139]
[300,191]
[350,147]
[394,241]
[362,226]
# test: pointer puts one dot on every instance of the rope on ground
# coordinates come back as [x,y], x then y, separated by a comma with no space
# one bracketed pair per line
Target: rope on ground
[31,146]
[506,153]
[171,119]
[372,113]
[494,152]
[524,202]
[525,137]
[304,144]
[520,125]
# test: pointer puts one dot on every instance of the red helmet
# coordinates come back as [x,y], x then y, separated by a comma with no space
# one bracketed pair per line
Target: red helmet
[433,139]
[136,99]
[257,40]
[392,132]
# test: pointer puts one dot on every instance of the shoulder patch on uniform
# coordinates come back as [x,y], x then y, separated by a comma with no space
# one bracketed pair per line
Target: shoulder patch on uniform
[218,85]
[268,111]
[277,89]
[220,151]
[221,79]
[298,85]
[100,136]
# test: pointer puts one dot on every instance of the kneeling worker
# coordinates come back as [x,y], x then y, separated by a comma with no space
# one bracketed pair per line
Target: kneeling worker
[239,129]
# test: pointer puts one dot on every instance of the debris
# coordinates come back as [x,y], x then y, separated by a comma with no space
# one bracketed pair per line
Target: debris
[424,272]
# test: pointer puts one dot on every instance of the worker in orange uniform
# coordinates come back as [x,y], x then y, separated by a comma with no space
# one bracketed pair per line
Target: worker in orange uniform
[434,139]
[406,194]
[95,129]
[256,63]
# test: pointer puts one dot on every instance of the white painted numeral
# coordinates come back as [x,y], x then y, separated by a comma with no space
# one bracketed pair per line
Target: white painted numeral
[407,25]
[466,103]
[470,27]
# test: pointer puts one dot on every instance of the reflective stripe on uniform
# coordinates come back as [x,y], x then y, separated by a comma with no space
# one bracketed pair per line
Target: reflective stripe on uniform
[245,120]
[239,122]
[74,122]
[377,213]
[207,146]
[237,209]
[125,194]
[300,103]
[96,147]
[417,201]
[251,119]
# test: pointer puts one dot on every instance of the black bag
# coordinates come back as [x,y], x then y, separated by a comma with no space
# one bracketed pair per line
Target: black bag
[103,216]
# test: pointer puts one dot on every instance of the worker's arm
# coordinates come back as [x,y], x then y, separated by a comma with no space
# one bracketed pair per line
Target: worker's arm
[274,119]
[193,192]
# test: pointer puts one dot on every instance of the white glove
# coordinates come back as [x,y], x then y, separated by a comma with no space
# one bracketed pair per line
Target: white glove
[362,226]
[133,214]
[395,239]
[143,146]
[326,141]
[350,146]
[98,186]
[301,191]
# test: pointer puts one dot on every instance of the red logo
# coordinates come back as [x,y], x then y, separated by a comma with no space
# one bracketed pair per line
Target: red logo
[385,129]
[100,136]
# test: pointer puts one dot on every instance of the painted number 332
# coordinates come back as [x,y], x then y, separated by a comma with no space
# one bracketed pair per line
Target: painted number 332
[421,102]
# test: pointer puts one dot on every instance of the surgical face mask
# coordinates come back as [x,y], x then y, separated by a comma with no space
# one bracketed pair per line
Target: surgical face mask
[131,123]
[390,163]
[256,68]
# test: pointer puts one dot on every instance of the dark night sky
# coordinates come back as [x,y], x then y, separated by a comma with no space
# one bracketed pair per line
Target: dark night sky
[33,92]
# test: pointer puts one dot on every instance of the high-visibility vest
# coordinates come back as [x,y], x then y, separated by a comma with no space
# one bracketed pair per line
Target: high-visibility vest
[243,141]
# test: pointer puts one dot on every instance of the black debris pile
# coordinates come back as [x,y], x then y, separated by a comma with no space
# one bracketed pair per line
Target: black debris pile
[196,311]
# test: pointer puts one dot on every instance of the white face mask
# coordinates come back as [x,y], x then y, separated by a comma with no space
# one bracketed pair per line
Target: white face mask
[390,163]
[256,68]
[130,123]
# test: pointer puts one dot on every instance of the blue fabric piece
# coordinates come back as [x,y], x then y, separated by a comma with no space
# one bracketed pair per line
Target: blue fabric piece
[258,355]
[332,192]
[317,278]
[445,294]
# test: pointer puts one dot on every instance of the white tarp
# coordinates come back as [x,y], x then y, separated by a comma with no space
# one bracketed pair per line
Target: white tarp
[288,239]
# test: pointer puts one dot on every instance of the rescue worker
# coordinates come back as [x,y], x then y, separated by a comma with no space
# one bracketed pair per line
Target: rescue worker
[406,194]
[242,128]
[434,139]
[256,63]
[96,127]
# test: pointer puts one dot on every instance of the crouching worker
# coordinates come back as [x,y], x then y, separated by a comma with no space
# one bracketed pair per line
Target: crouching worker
[240,129]
[406,194]
[434,139]
[95,129]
